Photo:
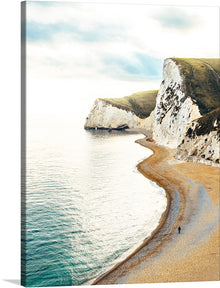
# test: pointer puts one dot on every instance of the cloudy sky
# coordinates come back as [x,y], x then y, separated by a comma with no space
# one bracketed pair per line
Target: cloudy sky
[79,52]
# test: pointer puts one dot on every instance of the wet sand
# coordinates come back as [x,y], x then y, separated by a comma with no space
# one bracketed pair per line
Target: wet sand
[193,204]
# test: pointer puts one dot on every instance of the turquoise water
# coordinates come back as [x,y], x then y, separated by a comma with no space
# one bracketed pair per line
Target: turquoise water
[87,207]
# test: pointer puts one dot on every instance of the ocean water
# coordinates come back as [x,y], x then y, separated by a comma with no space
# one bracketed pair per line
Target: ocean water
[87,206]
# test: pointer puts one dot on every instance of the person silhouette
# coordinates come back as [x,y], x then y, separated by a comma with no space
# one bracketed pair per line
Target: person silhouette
[179,229]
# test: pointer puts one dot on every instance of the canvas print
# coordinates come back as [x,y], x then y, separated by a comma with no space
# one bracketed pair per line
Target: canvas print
[120,144]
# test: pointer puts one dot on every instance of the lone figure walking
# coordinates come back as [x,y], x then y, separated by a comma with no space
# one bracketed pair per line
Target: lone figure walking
[179,229]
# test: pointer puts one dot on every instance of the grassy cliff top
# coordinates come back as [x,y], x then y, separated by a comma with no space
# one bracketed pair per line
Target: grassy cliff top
[202,81]
[141,103]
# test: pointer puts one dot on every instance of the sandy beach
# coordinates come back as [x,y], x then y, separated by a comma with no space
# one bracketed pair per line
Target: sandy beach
[193,204]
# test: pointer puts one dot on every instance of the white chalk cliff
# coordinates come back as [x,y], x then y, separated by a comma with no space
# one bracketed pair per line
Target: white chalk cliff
[174,109]
[201,147]
[177,120]
[104,115]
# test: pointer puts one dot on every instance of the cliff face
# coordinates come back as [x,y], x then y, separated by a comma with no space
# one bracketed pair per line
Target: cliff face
[201,142]
[183,114]
[105,116]
[174,108]
[186,116]
[134,111]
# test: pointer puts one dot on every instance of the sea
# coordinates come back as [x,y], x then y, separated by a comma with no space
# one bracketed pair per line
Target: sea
[87,207]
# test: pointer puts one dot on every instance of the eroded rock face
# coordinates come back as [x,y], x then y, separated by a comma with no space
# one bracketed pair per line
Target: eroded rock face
[200,148]
[174,109]
[104,115]
[176,121]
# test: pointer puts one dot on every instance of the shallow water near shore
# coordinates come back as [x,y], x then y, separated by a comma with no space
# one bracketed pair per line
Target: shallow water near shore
[87,206]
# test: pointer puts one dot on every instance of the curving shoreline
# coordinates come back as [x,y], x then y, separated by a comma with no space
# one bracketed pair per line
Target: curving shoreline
[154,260]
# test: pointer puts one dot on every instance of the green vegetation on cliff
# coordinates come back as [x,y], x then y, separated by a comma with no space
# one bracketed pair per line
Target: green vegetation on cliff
[205,124]
[140,103]
[202,81]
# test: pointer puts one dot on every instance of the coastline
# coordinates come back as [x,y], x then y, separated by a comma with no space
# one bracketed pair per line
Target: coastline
[186,207]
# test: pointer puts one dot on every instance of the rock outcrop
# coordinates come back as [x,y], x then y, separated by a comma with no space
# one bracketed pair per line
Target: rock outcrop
[105,116]
[134,111]
[175,110]
[184,113]
[186,116]
[201,142]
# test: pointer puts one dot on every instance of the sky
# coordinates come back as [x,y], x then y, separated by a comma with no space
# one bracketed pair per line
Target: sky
[79,52]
